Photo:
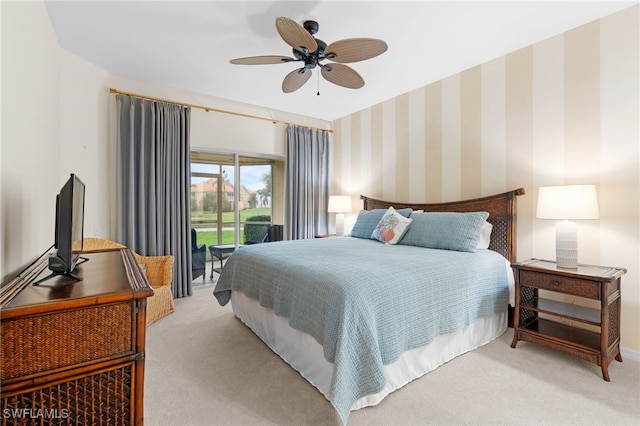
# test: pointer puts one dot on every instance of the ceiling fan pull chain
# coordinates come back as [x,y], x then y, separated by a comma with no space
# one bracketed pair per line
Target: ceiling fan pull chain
[318,94]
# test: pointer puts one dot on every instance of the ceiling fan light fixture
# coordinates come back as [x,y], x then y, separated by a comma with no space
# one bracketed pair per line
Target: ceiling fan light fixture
[313,51]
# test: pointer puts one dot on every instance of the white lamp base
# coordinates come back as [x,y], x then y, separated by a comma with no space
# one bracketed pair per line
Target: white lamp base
[340,224]
[567,244]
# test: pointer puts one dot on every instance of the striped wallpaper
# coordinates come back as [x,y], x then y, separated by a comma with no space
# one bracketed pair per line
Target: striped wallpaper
[562,111]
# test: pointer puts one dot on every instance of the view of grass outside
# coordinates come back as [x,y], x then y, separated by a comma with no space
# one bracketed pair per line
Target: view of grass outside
[208,235]
[227,217]
[210,238]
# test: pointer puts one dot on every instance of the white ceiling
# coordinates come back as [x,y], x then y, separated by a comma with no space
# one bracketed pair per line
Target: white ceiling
[188,44]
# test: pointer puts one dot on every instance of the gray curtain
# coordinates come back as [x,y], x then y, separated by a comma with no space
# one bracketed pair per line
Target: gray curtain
[154,215]
[307,183]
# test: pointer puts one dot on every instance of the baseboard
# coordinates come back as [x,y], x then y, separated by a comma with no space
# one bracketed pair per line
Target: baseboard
[630,354]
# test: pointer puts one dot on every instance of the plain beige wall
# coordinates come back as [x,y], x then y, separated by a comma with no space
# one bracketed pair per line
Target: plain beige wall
[31,170]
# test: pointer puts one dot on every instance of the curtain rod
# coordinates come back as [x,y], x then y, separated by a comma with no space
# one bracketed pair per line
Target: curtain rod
[209,109]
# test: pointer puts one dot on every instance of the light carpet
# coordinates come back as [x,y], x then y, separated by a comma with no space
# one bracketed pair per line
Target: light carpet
[205,367]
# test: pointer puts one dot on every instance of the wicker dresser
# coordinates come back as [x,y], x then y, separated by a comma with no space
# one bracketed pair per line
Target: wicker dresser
[73,351]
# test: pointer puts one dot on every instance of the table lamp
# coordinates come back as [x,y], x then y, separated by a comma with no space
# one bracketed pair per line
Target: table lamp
[567,203]
[339,204]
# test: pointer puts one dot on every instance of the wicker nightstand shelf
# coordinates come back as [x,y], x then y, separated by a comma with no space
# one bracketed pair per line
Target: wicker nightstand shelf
[592,334]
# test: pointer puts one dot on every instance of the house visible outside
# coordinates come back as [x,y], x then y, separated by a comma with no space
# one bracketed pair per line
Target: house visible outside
[215,184]
[200,191]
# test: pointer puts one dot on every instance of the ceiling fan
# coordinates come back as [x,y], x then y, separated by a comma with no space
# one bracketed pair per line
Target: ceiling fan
[312,52]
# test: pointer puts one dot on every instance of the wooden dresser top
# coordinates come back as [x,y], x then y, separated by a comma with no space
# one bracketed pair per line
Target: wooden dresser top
[107,277]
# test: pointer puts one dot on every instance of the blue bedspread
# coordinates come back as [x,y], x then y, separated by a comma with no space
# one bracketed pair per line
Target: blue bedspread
[366,302]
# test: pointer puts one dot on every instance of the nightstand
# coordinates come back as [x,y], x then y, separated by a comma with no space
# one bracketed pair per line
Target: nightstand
[589,333]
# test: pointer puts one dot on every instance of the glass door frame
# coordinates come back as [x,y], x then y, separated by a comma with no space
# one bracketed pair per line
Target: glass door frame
[218,178]
[236,156]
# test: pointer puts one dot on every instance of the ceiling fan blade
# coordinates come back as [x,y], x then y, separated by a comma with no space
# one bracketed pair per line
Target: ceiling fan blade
[355,49]
[295,79]
[295,35]
[342,75]
[262,60]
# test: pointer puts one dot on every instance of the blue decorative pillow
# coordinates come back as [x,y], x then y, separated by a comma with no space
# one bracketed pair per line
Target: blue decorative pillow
[444,230]
[367,221]
[391,227]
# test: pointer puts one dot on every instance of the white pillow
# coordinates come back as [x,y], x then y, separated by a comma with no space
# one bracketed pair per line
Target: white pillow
[391,227]
[485,235]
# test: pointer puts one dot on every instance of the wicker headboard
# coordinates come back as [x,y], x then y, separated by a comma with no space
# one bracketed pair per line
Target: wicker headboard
[501,209]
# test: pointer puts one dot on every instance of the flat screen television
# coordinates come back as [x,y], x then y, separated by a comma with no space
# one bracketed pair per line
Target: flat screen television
[69,229]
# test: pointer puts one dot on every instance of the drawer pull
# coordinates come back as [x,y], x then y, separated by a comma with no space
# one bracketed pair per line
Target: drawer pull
[556,283]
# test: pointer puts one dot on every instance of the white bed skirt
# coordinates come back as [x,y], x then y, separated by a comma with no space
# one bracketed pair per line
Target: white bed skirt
[305,355]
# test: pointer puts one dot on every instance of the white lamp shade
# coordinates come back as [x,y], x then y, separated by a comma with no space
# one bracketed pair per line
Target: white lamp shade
[571,202]
[566,203]
[339,204]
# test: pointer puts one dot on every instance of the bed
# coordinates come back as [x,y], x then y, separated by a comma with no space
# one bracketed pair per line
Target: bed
[363,315]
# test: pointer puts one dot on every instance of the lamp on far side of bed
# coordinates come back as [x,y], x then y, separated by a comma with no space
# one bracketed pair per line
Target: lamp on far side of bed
[567,203]
[339,204]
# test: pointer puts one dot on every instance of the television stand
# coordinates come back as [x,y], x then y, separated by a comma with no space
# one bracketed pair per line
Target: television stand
[62,362]
[57,274]
[70,274]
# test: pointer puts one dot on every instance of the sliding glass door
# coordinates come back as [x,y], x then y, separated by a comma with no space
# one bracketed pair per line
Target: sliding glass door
[212,204]
[232,200]
[256,212]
